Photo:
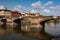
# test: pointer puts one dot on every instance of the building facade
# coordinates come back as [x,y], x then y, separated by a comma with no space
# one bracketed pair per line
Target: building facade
[15,14]
[30,14]
[4,12]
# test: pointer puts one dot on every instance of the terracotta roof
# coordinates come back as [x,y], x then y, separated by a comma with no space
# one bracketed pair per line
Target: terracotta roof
[16,12]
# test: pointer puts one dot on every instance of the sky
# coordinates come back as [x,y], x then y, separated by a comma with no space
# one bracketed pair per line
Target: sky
[44,7]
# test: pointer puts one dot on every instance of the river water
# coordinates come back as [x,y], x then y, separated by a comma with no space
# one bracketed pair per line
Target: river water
[53,29]
[10,33]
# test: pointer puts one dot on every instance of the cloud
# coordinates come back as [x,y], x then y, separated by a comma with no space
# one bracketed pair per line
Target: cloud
[51,12]
[20,8]
[46,11]
[48,3]
[56,8]
[34,11]
[47,8]
[2,7]
[36,4]
[17,7]
[42,7]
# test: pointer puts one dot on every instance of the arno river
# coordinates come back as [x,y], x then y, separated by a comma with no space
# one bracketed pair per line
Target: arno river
[8,32]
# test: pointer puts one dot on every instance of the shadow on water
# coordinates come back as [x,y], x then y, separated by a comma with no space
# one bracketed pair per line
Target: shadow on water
[3,26]
[4,23]
[17,28]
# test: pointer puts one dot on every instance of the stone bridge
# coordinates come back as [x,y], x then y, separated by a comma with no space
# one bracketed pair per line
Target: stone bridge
[37,22]
[7,20]
[32,19]
[37,19]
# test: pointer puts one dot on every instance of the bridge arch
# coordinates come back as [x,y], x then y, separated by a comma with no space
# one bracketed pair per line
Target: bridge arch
[42,23]
[4,20]
[4,23]
[18,20]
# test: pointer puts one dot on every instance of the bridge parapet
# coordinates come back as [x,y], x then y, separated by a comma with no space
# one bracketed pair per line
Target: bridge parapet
[36,19]
[33,19]
[45,19]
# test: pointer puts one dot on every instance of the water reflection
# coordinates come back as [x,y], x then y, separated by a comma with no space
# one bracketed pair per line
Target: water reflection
[17,28]
[53,28]
[11,31]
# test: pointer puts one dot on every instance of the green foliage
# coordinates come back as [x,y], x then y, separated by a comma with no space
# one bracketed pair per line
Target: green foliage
[54,21]
[24,22]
